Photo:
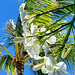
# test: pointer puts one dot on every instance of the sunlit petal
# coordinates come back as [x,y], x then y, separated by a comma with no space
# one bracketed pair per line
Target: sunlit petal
[34,51]
[61,65]
[22,12]
[36,48]
[33,28]
[57,73]
[39,66]
[52,60]
[37,57]
[49,67]
[43,29]
[51,40]
[46,48]
[44,70]
[51,73]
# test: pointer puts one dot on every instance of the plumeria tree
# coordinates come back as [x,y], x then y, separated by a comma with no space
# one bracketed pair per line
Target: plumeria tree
[44,35]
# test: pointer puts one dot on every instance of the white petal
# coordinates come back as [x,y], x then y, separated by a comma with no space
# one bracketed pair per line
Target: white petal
[28,46]
[51,73]
[44,70]
[33,28]
[19,40]
[61,65]
[36,48]
[29,21]
[51,40]
[57,73]
[48,32]
[46,48]
[52,60]
[43,29]
[25,29]
[21,8]
[37,57]
[22,12]
[33,55]
[39,66]
[56,67]
[49,67]
[45,58]
[53,0]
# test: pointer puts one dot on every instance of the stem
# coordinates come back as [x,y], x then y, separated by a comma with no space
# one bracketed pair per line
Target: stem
[20,68]
[16,51]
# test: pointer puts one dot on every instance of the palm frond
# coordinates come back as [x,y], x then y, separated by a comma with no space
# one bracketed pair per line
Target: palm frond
[5,63]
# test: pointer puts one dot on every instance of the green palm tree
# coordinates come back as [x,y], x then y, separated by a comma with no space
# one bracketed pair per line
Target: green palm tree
[48,14]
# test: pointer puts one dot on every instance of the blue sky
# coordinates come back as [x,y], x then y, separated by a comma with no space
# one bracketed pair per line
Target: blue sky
[9,10]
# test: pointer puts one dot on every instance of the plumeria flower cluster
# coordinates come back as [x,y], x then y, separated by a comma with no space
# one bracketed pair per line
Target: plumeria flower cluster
[33,50]
[49,65]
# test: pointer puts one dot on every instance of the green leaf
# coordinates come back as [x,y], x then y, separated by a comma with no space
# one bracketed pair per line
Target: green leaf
[2,60]
[7,51]
[65,53]
[8,65]
[0,50]
[5,62]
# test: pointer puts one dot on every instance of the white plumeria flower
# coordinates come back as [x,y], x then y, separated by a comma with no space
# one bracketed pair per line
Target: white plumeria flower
[48,62]
[34,51]
[50,67]
[56,69]
[51,40]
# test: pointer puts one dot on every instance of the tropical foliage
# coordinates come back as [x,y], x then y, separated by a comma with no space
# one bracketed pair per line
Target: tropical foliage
[44,34]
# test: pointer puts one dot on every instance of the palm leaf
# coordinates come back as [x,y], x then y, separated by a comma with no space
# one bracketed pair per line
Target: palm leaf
[5,63]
